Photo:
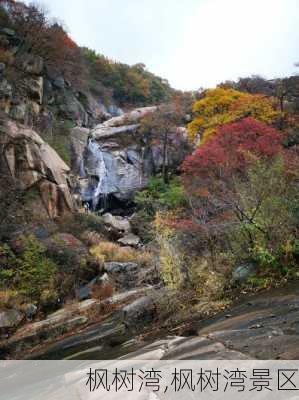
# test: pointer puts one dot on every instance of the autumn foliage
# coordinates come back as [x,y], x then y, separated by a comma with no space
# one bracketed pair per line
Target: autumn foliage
[224,105]
[212,175]
[234,146]
[40,36]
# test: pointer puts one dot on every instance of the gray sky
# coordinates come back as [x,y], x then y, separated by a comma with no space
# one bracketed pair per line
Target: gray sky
[192,43]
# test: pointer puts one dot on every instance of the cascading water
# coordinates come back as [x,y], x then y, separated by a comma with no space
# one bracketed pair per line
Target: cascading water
[100,190]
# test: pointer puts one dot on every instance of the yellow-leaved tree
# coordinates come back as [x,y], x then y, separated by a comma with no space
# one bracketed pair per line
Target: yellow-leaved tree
[221,106]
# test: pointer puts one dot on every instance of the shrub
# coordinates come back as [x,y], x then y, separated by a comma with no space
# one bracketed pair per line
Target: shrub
[209,279]
[31,273]
[269,201]
[171,260]
[92,238]
[102,291]
[160,195]
[77,224]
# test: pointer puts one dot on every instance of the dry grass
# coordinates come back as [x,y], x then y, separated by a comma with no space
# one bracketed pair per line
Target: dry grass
[8,299]
[92,238]
[109,251]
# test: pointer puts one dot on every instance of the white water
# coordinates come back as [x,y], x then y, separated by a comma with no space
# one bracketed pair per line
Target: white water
[101,172]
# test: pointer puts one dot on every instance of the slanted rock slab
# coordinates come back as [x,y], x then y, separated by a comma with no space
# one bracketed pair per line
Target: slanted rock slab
[130,240]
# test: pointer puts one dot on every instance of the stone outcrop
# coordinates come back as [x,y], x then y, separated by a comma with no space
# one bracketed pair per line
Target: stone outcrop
[141,311]
[117,222]
[33,163]
[10,319]
[34,89]
[124,274]
[119,159]
[129,240]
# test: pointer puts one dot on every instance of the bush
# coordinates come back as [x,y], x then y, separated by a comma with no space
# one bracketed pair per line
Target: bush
[102,291]
[160,195]
[78,223]
[210,280]
[29,274]
[171,260]
[268,236]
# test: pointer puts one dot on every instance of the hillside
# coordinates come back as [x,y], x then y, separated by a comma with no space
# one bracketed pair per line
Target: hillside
[131,210]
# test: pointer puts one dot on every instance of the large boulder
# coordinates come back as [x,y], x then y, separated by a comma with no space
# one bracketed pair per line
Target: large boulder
[32,162]
[141,312]
[124,274]
[243,272]
[129,240]
[10,319]
[131,117]
[116,222]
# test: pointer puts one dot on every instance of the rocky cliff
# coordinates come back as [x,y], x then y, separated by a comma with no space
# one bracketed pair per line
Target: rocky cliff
[115,159]
[32,163]
[34,94]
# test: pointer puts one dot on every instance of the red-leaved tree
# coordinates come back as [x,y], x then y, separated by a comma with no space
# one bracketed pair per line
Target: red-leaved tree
[213,173]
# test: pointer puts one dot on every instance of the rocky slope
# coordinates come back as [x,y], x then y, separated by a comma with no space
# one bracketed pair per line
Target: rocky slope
[32,93]
[261,326]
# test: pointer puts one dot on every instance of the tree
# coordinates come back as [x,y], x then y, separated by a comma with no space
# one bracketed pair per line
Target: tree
[267,203]
[242,187]
[157,127]
[221,106]
[210,174]
[44,38]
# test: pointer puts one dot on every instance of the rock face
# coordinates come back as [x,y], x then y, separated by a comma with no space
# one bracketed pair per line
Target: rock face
[79,139]
[35,89]
[129,240]
[141,311]
[124,274]
[118,159]
[33,163]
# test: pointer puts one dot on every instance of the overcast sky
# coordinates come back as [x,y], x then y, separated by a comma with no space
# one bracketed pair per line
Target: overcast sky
[192,43]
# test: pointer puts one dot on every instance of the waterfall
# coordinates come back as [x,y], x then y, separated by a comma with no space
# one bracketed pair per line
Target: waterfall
[100,191]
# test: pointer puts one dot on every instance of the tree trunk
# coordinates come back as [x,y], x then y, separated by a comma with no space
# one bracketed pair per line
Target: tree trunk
[165,159]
